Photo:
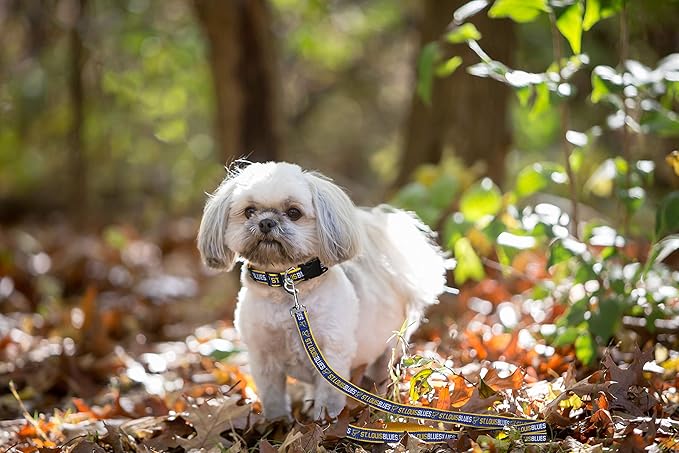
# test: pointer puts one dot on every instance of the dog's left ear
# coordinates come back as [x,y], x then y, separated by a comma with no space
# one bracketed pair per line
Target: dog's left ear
[211,236]
[338,231]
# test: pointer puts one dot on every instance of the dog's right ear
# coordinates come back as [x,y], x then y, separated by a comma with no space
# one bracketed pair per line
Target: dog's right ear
[212,233]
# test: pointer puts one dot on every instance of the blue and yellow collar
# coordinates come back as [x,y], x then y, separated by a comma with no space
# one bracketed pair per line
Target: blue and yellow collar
[306,271]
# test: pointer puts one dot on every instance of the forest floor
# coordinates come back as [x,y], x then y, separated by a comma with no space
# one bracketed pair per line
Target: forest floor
[123,342]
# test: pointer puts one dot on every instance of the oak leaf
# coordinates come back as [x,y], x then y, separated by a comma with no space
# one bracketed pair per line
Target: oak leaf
[512,382]
[210,419]
[461,391]
[628,387]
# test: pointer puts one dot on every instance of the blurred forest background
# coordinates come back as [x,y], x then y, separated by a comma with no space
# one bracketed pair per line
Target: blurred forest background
[119,111]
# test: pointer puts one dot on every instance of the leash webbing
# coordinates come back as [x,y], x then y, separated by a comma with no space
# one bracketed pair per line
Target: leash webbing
[532,432]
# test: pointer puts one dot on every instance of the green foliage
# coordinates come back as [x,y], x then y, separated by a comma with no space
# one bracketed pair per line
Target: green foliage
[667,216]
[593,278]
[419,385]
[463,33]
[604,286]
[481,199]
[147,99]
[585,350]
[569,23]
[468,265]
[519,10]
[600,9]
[539,176]
[425,70]
[449,66]
[329,37]
[638,87]
[661,250]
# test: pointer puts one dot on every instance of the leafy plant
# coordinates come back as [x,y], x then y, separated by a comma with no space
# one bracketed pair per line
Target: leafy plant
[593,268]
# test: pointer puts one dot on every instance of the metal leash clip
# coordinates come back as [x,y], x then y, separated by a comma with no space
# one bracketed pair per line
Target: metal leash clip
[289,286]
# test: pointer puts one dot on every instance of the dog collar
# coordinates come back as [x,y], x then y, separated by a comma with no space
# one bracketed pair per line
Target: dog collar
[306,271]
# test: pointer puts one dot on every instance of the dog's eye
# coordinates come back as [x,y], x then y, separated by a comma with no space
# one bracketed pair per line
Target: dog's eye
[293,214]
[249,211]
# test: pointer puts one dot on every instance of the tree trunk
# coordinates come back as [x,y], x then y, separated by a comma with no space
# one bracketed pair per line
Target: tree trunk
[77,161]
[467,113]
[246,80]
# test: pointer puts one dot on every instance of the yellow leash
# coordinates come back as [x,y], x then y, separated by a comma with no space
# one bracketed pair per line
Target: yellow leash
[532,431]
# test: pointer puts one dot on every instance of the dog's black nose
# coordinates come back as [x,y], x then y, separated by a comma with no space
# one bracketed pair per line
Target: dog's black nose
[266,225]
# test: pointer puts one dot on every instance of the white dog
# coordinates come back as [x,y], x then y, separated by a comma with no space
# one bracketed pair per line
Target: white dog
[364,272]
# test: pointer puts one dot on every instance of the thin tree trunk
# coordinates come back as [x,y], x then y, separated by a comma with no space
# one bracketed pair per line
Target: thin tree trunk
[77,161]
[467,113]
[245,75]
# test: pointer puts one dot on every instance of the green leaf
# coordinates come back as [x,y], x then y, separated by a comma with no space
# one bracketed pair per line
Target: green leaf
[664,248]
[495,228]
[584,273]
[567,337]
[592,14]
[542,101]
[425,71]
[415,361]
[660,121]
[564,249]
[448,67]
[455,227]
[598,10]
[419,385]
[524,94]
[481,199]
[463,33]
[667,216]
[605,81]
[605,321]
[172,131]
[443,191]
[428,214]
[599,89]
[468,263]
[537,176]
[585,349]
[518,10]
[412,196]
[569,24]
[220,355]
[608,253]
[633,198]
[575,314]
[576,159]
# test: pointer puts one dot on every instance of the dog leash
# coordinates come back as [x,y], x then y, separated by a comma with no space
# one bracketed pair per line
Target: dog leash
[532,431]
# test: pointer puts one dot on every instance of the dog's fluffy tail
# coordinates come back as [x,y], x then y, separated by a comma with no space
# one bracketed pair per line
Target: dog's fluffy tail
[418,264]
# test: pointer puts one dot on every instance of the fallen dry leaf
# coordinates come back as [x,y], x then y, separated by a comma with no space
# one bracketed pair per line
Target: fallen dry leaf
[211,418]
[461,391]
[628,388]
[512,382]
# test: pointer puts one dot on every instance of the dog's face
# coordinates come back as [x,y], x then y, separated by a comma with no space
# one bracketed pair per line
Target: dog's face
[275,215]
[272,220]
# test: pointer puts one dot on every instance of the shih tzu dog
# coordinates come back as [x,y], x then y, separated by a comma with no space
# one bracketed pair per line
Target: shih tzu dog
[360,273]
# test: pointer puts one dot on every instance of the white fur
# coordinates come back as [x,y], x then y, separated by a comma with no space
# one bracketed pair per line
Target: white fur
[383,270]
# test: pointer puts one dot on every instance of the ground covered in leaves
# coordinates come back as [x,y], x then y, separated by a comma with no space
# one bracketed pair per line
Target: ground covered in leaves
[115,342]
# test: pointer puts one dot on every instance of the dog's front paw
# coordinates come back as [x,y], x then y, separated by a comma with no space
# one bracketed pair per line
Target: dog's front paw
[328,403]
